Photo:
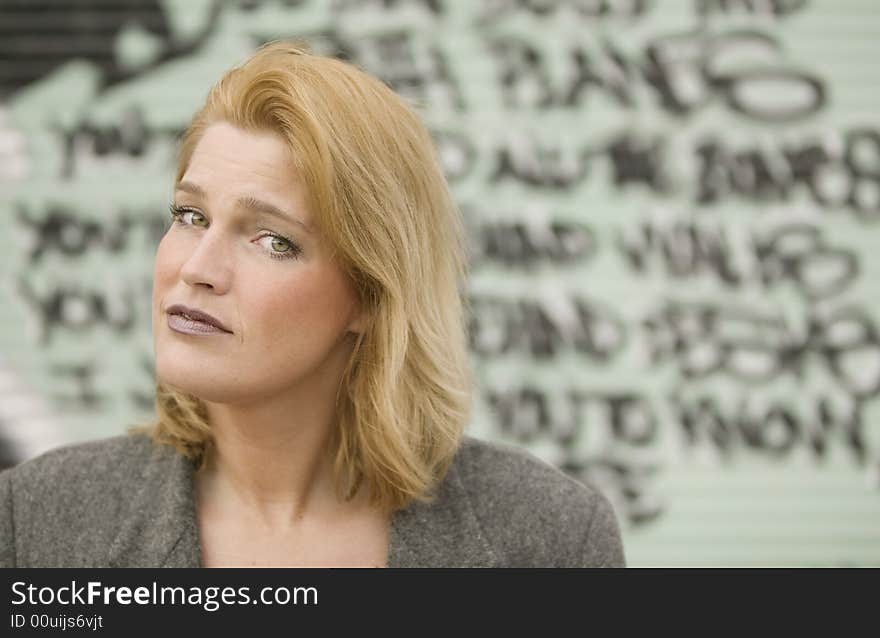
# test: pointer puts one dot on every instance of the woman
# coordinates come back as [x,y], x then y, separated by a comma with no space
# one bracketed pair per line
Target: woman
[311,364]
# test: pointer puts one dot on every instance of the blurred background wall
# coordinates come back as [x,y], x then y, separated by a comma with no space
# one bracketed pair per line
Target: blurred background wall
[672,208]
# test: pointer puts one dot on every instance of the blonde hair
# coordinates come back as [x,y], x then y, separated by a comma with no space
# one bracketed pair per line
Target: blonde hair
[381,201]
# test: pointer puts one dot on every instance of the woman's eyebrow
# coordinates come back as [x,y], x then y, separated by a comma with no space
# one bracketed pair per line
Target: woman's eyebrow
[259,206]
[247,202]
[190,187]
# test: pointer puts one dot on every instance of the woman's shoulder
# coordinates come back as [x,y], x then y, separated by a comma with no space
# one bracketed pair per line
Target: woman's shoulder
[111,461]
[533,513]
[63,507]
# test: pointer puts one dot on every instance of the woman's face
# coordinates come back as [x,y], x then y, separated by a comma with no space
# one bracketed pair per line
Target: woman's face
[244,249]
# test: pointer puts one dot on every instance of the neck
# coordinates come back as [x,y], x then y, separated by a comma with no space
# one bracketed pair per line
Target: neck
[272,459]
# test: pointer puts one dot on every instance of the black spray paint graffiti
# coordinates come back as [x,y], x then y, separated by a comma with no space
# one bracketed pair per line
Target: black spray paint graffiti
[86,30]
[493,11]
[64,230]
[130,138]
[795,253]
[839,173]
[755,347]
[671,66]
[529,414]
[778,8]
[627,423]
[426,79]
[530,161]
[413,66]
[843,172]
[61,230]
[433,7]
[773,427]
[251,5]
[501,326]
[79,309]
[523,245]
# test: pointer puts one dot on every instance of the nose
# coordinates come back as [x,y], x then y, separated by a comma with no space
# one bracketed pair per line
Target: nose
[209,265]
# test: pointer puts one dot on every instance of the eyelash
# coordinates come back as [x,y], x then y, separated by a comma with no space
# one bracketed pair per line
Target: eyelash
[177,212]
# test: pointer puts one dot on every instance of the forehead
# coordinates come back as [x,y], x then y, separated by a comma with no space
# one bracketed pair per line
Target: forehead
[229,158]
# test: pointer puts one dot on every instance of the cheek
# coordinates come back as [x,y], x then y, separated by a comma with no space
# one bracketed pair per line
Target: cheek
[316,303]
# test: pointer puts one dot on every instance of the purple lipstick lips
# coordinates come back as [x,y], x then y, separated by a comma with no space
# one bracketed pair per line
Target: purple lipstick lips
[194,322]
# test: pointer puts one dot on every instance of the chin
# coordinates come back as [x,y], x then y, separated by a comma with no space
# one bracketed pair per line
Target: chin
[211,386]
[214,393]
[190,377]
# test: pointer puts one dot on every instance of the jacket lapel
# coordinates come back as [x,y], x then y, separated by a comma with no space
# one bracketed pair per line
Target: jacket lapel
[160,529]
[443,533]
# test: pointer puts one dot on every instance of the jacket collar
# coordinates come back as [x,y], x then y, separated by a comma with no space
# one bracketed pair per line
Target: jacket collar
[160,528]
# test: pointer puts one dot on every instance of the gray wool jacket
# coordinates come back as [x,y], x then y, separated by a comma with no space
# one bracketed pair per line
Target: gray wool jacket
[127,502]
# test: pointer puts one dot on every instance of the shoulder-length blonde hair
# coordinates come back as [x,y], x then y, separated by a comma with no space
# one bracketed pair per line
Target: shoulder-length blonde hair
[381,201]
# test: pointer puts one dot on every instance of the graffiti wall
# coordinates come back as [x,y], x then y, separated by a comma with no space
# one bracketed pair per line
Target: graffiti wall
[673,210]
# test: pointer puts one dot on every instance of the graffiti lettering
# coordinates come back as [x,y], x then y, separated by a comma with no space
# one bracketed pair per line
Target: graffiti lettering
[780,8]
[687,71]
[837,176]
[250,5]
[677,63]
[61,230]
[527,414]
[796,253]
[638,161]
[799,253]
[77,308]
[532,162]
[755,347]
[501,326]
[494,10]
[420,72]
[539,165]
[774,427]
[846,178]
[426,78]
[131,138]
[631,418]
[523,244]
[435,7]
